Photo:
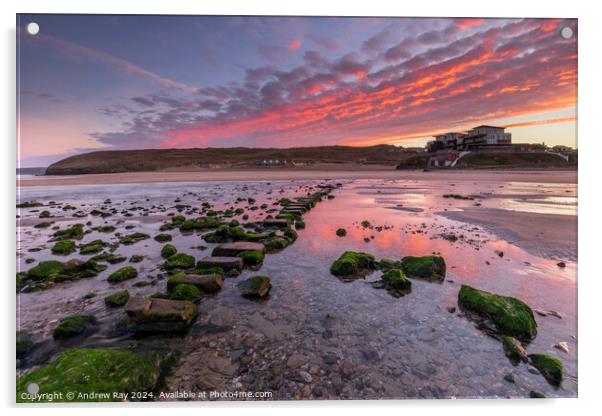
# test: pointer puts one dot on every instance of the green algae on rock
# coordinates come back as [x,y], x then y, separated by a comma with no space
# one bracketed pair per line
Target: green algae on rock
[353,264]
[425,267]
[133,238]
[76,232]
[117,299]
[168,250]
[92,247]
[510,316]
[179,261]
[551,368]
[162,238]
[396,282]
[72,326]
[125,273]
[63,247]
[341,232]
[108,373]
[46,273]
[513,349]
[255,287]
[185,291]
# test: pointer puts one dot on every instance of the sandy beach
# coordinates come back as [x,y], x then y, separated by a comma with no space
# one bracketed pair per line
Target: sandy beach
[540,176]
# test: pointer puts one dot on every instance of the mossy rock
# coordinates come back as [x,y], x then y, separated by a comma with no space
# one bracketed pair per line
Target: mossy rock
[178,219]
[300,225]
[92,247]
[397,283]
[341,232]
[30,204]
[45,269]
[104,228]
[206,223]
[168,250]
[186,292]
[510,316]
[25,343]
[179,261]
[255,287]
[63,247]
[275,243]
[187,225]
[353,264]
[425,267]
[43,224]
[117,299]
[136,258]
[73,326]
[44,214]
[513,349]
[551,368]
[252,257]
[163,237]
[46,273]
[388,264]
[290,234]
[133,238]
[75,232]
[125,273]
[103,371]
[109,258]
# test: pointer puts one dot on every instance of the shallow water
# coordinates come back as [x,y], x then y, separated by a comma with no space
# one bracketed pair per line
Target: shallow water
[354,341]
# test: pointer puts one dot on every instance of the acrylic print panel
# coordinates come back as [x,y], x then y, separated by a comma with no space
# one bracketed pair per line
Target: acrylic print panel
[277,208]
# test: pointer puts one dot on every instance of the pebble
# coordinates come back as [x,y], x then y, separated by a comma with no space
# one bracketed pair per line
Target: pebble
[562,346]
[305,376]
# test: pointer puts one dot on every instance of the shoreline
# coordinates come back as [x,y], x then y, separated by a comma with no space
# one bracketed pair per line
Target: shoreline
[540,176]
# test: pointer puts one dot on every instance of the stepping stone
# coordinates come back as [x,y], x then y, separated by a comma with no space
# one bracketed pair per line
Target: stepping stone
[226,263]
[160,315]
[276,223]
[234,249]
[292,211]
[208,283]
[298,207]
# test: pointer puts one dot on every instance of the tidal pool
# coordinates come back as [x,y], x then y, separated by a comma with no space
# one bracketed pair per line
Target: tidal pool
[315,336]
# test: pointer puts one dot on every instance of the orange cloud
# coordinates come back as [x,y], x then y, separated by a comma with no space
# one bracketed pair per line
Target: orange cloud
[295,44]
[469,22]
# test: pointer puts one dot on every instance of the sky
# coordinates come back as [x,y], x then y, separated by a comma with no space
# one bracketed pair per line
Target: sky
[113,82]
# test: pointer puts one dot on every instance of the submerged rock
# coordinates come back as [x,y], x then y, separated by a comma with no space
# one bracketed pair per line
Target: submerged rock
[168,250]
[514,349]
[72,326]
[117,299]
[92,247]
[160,315]
[510,316]
[227,264]
[133,238]
[179,261]
[426,267]
[63,247]
[207,283]
[125,273]
[255,287]
[551,368]
[396,282]
[341,232]
[102,371]
[353,264]
[185,291]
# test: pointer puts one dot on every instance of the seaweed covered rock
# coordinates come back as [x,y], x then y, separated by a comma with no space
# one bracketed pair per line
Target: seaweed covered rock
[396,282]
[206,223]
[233,249]
[110,258]
[388,264]
[255,287]
[207,283]
[275,243]
[550,367]
[46,273]
[75,232]
[513,349]
[341,232]
[179,261]
[133,238]
[185,291]
[108,373]
[117,299]
[25,343]
[227,264]
[63,247]
[353,264]
[168,250]
[510,316]
[92,247]
[72,326]
[160,315]
[125,273]
[426,267]
[162,238]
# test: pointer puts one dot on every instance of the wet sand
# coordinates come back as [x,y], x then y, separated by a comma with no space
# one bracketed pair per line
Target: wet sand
[545,235]
[540,176]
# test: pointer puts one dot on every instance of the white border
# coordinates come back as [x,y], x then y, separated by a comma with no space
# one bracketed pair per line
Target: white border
[590,202]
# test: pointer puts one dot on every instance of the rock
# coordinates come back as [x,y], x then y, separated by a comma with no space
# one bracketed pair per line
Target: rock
[168,250]
[562,346]
[117,299]
[341,232]
[185,292]
[396,282]
[92,247]
[105,372]
[555,314]
[296,360]
[276,223]
[426,267]
[388,264]
[550,367]
[162,238]
[125,273]
[222,365]
[561,264]
[63,247]
[179,261]
[133,238]
[536,395]
[500,253]
[225,263]
[352,264]
[25,343]
[255,287]
[305,377]
[510,316]
[234,249]
[160,315]
[514,349]
[72,326]
[532,369]
[510,378]
[451,309]
[207,283]
[46,273]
